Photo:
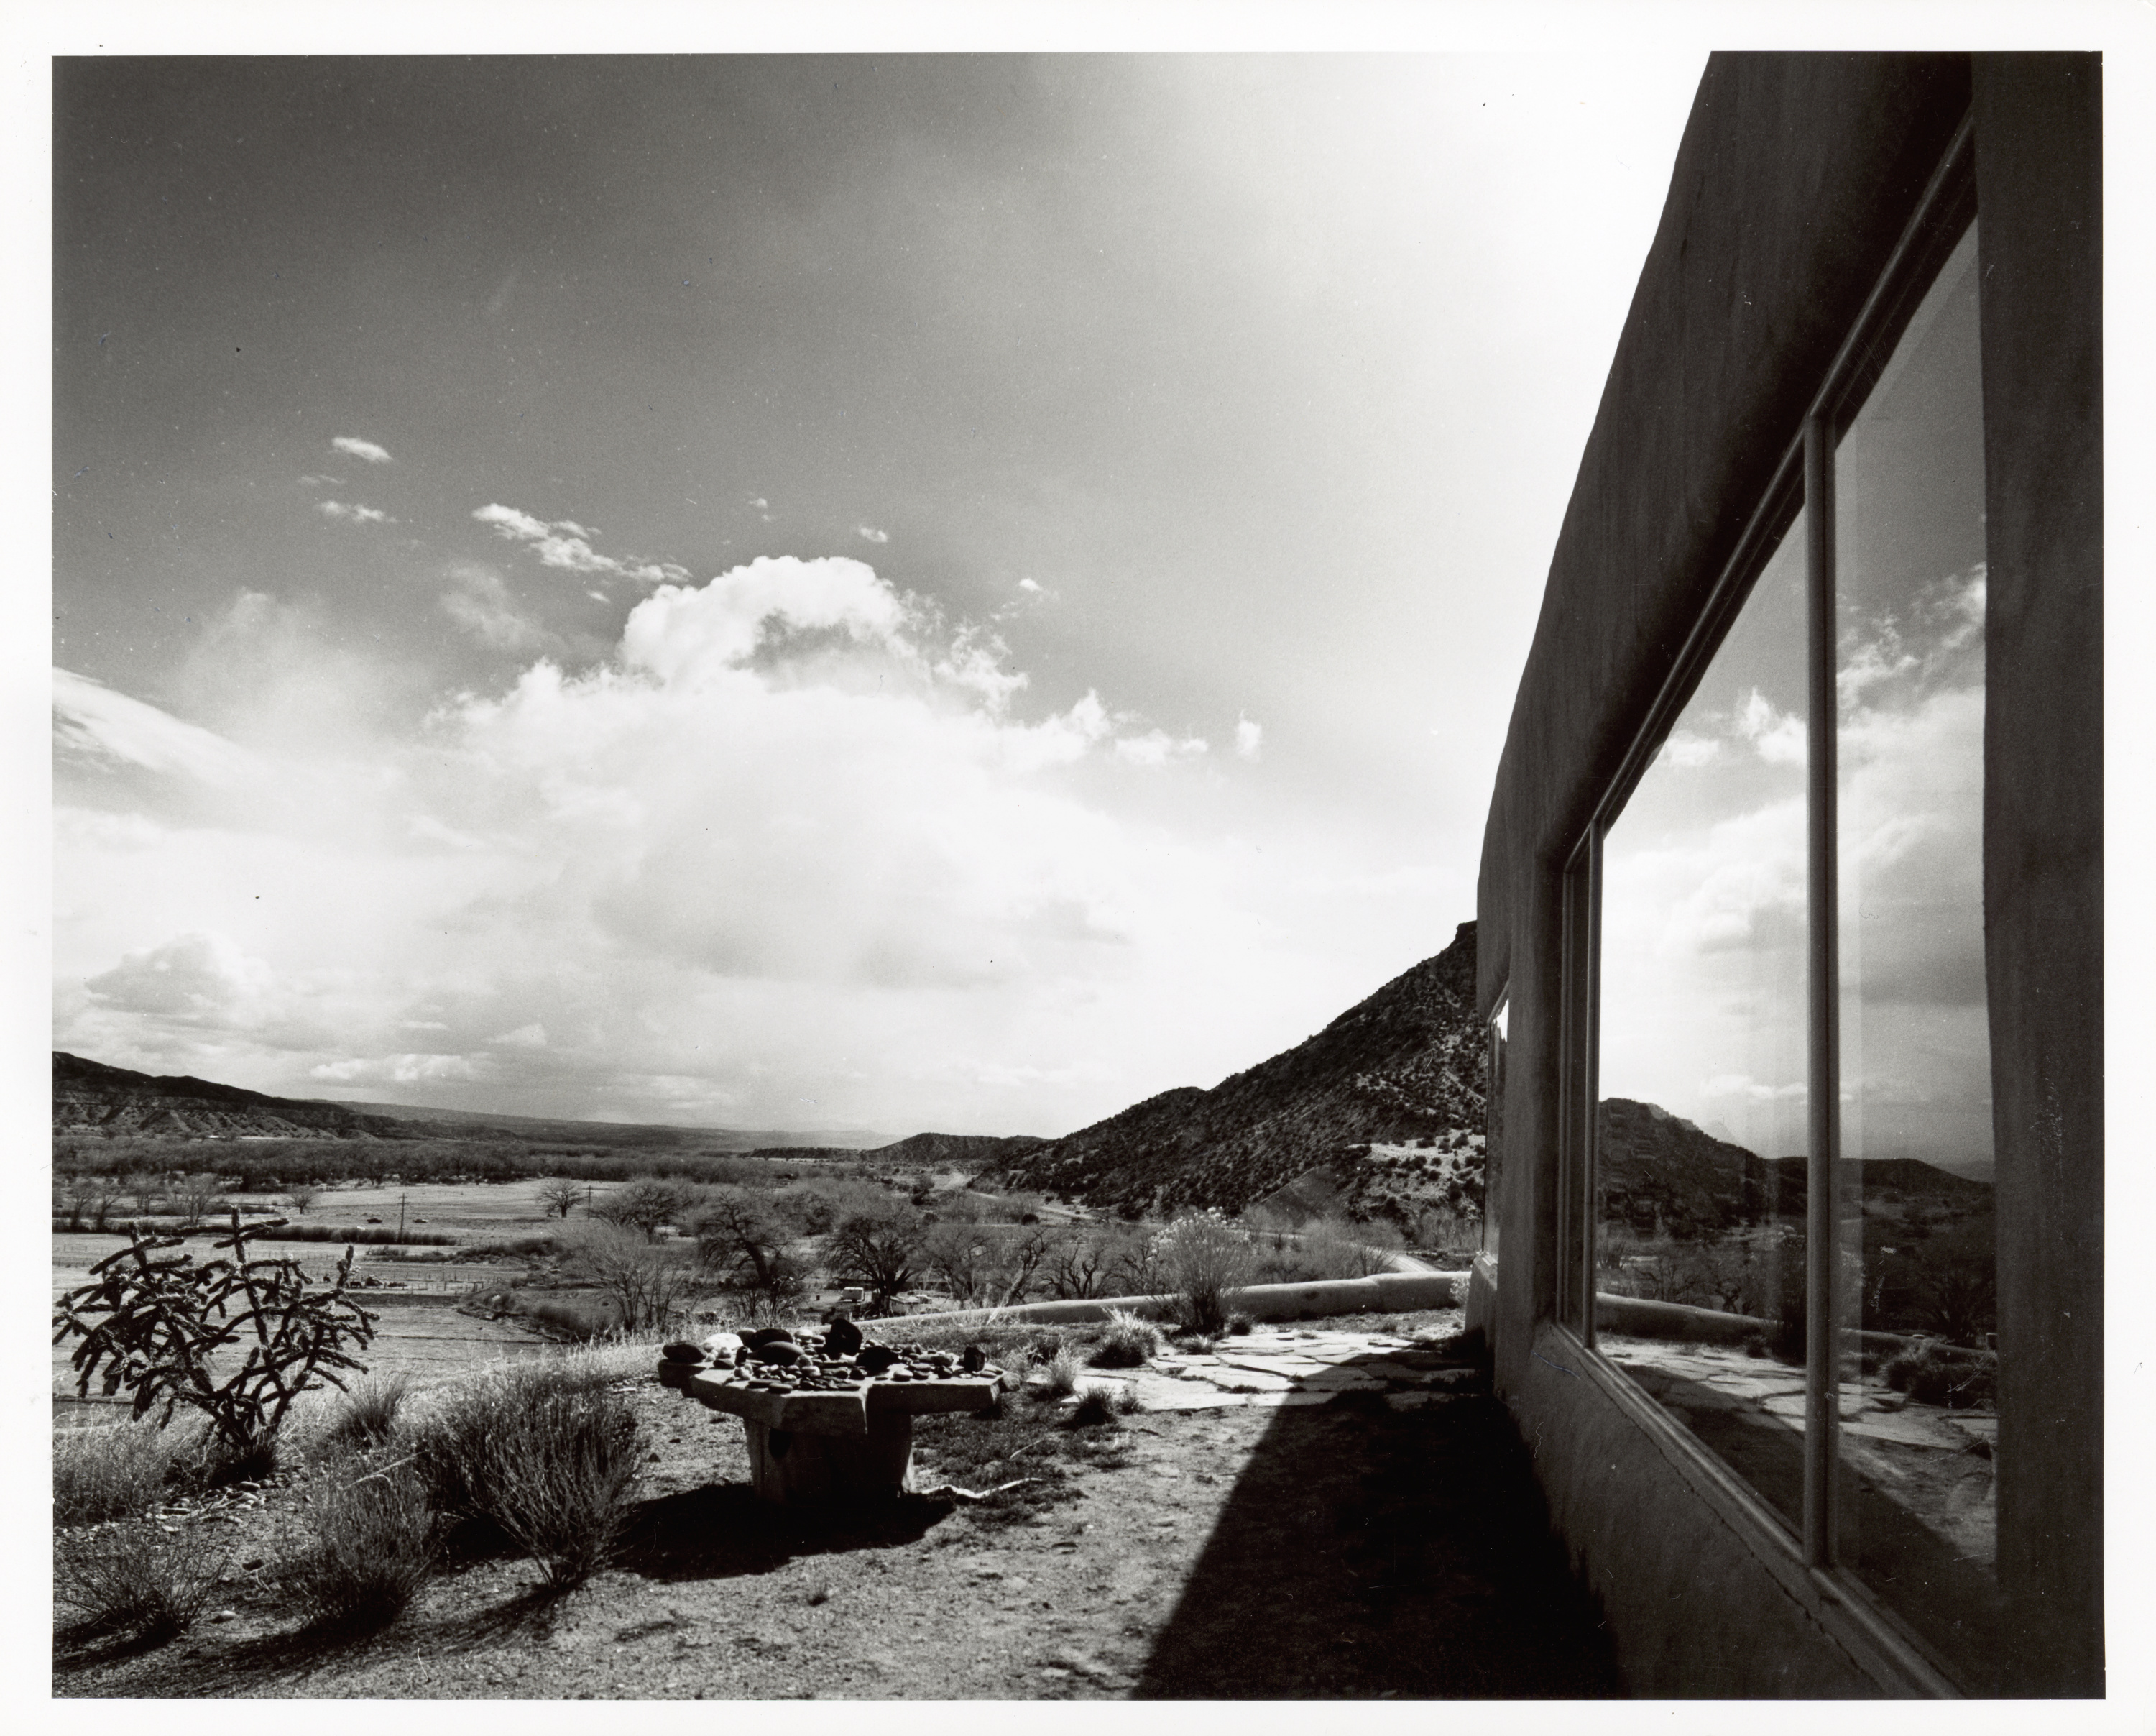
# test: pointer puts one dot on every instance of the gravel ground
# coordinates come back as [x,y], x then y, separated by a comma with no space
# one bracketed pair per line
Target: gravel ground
[1347,1549]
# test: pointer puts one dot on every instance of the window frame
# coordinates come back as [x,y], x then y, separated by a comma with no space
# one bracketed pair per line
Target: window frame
[1802,484]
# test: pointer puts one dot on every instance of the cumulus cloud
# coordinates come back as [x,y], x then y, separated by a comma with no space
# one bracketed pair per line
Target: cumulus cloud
[366,449]
[1690,751]
[869,533]
[1249,738]
[1030,588]
[353,515]
[566,544]
[788,856]
[193,976]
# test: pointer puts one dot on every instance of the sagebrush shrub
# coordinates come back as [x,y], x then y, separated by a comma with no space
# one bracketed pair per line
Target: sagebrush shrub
[116,1471]
[136,1577]
[368,1414]
[546,1452]
[371,1539]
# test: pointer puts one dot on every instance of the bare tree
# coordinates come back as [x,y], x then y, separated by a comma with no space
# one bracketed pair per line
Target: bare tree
[644,1204]
[1076,1266]
[743,1240]
[559,1195]
[960,1257]
[195,1195]
[144,1188]
[878,1248]
[650,1284]
[1023,1257]
[302,1194]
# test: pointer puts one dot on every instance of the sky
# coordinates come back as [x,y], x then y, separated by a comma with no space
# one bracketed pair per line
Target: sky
[803,593]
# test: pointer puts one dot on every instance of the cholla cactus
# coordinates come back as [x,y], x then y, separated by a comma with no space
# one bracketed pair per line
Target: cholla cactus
[1203,1256]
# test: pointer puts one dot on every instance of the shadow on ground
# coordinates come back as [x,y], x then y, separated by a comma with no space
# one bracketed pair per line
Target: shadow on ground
[720,1531]
[1369,1552]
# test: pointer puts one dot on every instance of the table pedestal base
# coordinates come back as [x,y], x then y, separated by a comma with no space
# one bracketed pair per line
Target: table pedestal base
[791,1468]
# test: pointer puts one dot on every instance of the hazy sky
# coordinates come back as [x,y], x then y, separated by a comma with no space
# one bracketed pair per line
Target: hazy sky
[892,592]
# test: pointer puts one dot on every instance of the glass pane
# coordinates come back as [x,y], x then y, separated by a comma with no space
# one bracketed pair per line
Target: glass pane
[1493,1138]
[1701,1135]
[1919,1423]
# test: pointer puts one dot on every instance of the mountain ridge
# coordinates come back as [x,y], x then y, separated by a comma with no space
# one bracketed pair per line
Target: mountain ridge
[1401,1067]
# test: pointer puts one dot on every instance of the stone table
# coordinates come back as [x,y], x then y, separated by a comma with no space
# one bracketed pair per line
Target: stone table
[826,1445]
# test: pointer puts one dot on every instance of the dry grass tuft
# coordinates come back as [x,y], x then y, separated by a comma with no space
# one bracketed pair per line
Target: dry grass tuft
[373,1540]
[545,1452]
[135,1577]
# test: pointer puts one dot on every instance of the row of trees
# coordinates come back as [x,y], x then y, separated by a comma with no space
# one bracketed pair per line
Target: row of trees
[89,1202]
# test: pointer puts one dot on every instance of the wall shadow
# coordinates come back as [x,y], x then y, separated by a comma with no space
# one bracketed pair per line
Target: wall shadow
[1367,1552]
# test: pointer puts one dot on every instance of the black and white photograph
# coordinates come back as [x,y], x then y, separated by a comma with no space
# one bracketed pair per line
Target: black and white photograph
[1020,855]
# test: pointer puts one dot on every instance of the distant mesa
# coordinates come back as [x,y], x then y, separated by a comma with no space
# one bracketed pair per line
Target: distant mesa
[89,1097]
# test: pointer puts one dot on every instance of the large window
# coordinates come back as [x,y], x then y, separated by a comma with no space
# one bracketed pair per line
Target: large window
[1775,1182]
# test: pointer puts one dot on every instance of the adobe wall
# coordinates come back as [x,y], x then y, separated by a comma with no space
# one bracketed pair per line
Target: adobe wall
[1796,177]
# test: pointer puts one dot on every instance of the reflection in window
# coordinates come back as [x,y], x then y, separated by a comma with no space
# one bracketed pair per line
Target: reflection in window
[1918,1418]
[1701,1135]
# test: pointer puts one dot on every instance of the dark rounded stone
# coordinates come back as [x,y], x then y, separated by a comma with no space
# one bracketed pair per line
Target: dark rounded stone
[780,1351]
[842,1337]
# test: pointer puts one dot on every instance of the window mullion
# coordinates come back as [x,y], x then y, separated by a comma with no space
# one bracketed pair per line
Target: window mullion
[1822,1312]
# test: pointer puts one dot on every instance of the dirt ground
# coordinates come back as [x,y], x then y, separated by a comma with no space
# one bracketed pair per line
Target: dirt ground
[1345,1549]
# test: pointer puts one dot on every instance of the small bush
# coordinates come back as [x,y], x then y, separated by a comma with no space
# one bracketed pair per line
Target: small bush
[117,1471]
[371,1543]
[135,1577]
[545,1452]
[1334,1248]
[1062,1371]
[1095,1409]
[1204,1257]
[1127,1342]
[368,1413]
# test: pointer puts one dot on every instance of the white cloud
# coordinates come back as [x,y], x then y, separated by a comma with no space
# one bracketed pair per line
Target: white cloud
[869,533]
[1157,747]
[566,544]
[89,718]
[353,515]
[1690,751]
[1778,737]
[1249,738]
[193,976]
[481,604]
[397,1069]
[788,844]
[321,482]
[367,449]
[1029,586]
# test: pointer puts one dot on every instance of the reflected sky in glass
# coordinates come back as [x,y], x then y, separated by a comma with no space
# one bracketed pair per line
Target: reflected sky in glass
[1703,900]
[1909,673]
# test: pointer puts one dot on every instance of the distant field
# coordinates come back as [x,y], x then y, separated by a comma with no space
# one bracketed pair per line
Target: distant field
[422,1333]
